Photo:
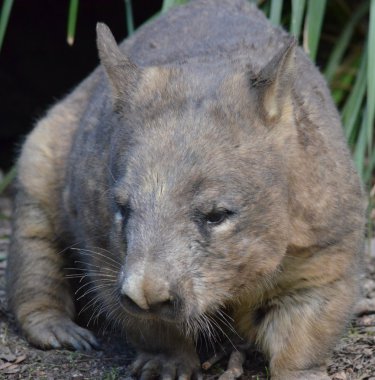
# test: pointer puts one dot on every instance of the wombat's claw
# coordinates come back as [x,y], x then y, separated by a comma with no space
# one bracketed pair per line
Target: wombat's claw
[234,369]
[61,332]
[149,366]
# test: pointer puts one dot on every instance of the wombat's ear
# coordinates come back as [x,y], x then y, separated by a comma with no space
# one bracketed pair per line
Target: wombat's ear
[274,83]
[123,75]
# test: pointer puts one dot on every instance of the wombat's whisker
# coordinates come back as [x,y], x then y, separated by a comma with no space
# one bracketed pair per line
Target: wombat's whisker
[97,275]
[108,317]
[84,286]
[197,327]
[223,318]
[97,312]
[81,276]
[87,272]
[91,272]
[88,251]
[105,250]
[89,304]
[98,268]
[69,247]
[81,242]
[213,334]
[101,307]
[103,284]
[219,328]
[194,326]
[209,328]
[224,315]
[89,283]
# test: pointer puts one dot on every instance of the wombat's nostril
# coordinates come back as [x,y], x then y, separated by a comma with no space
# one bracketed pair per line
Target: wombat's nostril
[167,304]
[168,309]
[128,302]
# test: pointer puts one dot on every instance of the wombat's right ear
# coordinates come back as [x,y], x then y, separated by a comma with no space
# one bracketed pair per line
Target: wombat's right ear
[123,75]
[274,84]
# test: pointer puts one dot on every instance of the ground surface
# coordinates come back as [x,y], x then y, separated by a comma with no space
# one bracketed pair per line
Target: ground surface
[353,358]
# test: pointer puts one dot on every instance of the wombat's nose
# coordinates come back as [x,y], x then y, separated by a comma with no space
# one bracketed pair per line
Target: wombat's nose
[147,294]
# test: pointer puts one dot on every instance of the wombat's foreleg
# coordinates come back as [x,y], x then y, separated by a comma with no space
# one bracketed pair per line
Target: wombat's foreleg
[298,330]
[37,291]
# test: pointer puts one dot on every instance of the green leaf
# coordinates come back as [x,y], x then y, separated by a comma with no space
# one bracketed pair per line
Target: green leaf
[371,79]
[275,13]
[171,3]
[346,78]
[298,9]
[8,178]
[129,17]
[360,146]
[342,43]
[369,170]
[350,111]
[313,26]
[72,21]
[4,18]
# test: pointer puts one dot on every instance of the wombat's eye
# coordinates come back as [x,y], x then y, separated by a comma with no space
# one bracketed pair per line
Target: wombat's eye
[216,217]
[123,211]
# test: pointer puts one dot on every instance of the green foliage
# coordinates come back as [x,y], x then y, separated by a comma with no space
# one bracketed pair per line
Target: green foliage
[275,12]
[298,9]
[313,26]
[342,44]
[171,3]
[350,73]
[112,374]
[4,17]
[129,17]
[7,180]
[72,21]
[371,81]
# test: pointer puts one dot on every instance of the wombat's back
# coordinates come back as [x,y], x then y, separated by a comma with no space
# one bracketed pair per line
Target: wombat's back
[207,30]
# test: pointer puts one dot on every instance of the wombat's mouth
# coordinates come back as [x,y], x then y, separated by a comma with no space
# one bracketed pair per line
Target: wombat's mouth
[169,311]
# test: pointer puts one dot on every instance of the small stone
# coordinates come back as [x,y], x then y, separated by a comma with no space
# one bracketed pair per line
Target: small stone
[340,376]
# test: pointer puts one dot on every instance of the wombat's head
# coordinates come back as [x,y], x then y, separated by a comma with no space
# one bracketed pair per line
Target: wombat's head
[200,190]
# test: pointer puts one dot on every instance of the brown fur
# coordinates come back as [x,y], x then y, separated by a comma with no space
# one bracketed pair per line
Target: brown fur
[201,178]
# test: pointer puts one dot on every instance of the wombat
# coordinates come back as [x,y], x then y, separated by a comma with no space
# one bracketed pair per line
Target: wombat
[202,176]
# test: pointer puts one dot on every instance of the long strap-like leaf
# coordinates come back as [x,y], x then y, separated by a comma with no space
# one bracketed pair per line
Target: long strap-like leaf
[4,18]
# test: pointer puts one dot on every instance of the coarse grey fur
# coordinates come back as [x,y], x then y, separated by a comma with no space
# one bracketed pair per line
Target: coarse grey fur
[202,174]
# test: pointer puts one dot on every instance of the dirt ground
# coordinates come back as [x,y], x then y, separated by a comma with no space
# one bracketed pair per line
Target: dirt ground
[353,358]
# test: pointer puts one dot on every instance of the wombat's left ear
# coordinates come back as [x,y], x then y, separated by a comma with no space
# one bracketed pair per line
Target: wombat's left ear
[274,83]
[123,74]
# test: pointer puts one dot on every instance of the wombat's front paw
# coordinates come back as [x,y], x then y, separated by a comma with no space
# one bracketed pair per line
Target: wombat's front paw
[57,331]
[167,367]
[235,363]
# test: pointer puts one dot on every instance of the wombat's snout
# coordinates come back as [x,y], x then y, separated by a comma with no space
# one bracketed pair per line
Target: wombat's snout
[140,294]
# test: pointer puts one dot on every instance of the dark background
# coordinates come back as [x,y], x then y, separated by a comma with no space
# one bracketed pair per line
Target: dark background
[37,66]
